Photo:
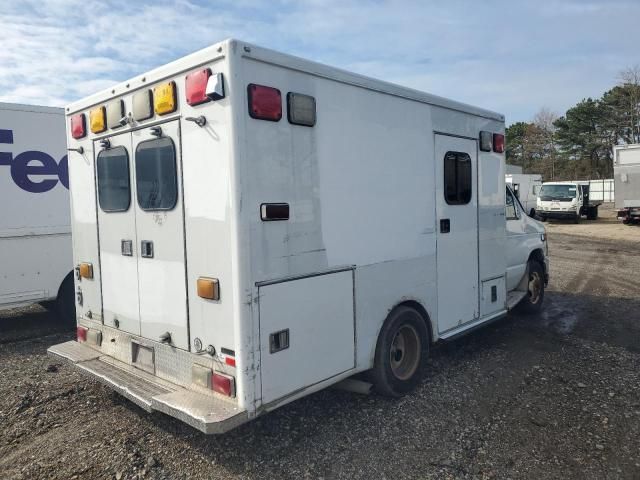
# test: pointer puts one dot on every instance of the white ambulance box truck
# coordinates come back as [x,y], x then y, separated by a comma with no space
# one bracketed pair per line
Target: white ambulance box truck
[526,187]
[35,233]
[626,173]
[251,227]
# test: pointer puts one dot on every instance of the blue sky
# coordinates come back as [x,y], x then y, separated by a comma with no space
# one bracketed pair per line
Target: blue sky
[511,56]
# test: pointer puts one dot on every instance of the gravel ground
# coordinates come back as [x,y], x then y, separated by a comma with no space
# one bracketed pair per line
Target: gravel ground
[554,396]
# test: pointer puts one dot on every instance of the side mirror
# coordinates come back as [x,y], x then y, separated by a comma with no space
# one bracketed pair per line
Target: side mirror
[215,87]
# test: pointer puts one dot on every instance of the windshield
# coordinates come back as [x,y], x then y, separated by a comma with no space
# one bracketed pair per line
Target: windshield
[557,192]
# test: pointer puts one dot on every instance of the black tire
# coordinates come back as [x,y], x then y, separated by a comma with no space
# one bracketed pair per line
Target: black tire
[401,352]
[532,303]
[577,219]
[543,218]
[532,213]
[66,302]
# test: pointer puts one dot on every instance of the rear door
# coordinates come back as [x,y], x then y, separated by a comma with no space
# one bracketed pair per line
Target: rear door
[457,241]
[117,233]
[160,234]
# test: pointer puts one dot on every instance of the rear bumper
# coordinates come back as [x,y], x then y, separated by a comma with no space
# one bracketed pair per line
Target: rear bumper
[207,413]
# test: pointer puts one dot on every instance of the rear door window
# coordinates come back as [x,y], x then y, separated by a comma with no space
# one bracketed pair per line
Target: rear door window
[156,174]
[114,189]
[457,178]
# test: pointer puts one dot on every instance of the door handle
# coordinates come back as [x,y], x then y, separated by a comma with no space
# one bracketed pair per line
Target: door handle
[445,225]
[146,249]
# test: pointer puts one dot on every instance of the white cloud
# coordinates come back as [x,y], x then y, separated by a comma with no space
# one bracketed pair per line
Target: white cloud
[514,57]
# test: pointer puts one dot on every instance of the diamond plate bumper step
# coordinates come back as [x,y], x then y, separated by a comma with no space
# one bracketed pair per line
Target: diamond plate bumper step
[204,412]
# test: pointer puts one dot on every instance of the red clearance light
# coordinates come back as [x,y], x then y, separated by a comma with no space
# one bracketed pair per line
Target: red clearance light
[223,384]
[78,126]
[81,334]
[196,86]
[230,361]
[498,143]
[265,103]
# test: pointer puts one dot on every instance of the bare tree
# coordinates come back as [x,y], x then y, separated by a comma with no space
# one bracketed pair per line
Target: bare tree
[629,80]
[544,122]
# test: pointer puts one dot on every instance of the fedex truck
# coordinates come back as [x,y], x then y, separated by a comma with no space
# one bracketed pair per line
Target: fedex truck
[35,232]
[250,227]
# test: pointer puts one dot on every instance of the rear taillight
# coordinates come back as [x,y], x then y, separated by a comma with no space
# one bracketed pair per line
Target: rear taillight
[78,126]
[265,103]
[81,334]
[498,143]
[223,384]
[196,86]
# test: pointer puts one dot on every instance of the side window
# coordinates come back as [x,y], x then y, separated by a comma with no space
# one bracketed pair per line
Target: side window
[156,174]
[457,178]
[511,208]
[112,171]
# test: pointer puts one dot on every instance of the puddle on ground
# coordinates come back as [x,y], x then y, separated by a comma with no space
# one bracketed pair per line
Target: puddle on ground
[560,316]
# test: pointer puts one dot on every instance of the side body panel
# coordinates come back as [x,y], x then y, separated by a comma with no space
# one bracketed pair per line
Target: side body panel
[35,232]
[361,189]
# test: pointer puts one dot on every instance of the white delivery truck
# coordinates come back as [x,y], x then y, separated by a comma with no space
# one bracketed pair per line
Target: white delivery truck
[35,232]
[566,200]
[250,227]
[626,173]
[526,187]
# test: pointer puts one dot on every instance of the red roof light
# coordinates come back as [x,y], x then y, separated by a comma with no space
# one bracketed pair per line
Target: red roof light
[265,103]
[78,126]
[498,143]
[196,86]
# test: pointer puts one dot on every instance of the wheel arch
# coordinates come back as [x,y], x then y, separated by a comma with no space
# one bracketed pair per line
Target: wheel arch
[415,305]
[64,279]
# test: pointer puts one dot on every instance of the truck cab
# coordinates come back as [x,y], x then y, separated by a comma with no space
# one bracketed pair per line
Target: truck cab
[566,201]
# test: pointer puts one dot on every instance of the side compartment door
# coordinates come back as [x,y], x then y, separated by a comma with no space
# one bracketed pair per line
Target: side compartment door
[117,233]
[457,240]
[160,234]
[306,332]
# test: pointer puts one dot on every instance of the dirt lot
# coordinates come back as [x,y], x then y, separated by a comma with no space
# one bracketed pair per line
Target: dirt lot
[554,396]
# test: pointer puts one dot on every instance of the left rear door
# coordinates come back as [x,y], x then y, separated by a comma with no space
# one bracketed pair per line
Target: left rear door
[117,233]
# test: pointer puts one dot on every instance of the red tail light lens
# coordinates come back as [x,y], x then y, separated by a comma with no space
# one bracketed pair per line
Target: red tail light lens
[81,334]
[498,143]
[78,126]
[196,86]
[265,103]
[223,384]
[230,361]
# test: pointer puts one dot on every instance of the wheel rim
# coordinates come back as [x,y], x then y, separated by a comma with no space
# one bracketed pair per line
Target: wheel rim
[404,354]
[535,287]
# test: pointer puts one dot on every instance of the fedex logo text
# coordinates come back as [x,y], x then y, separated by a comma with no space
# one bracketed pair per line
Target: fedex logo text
[32,170]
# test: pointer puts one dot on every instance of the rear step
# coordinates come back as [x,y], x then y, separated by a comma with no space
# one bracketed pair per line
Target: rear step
[204,412]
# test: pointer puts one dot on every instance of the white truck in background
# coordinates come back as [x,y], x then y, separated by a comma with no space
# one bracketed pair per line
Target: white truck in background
[626,173]
[251,227]
[35,230]
[566,201]
[526,187]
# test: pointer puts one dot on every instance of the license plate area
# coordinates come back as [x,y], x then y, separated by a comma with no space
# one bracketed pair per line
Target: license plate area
[142,357]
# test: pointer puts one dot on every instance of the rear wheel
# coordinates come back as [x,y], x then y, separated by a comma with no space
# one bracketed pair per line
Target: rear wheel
[532,303]
[66,302]
[401,352]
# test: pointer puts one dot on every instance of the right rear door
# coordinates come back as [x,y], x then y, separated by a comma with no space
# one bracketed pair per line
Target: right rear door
[141,231]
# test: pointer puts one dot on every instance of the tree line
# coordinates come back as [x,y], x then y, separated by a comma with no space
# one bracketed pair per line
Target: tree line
[579,144]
